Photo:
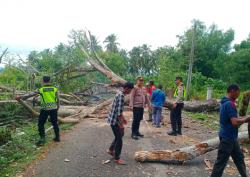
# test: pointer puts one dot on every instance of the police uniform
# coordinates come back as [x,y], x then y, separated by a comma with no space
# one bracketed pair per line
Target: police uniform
[49,107]
[175,114]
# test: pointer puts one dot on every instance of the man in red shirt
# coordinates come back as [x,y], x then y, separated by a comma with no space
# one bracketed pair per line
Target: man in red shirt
[150,88]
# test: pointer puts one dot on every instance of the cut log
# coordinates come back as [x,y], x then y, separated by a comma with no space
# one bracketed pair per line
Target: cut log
[183,154]
[197,106]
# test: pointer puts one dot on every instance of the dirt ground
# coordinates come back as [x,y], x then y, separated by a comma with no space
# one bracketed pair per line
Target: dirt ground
[82,152]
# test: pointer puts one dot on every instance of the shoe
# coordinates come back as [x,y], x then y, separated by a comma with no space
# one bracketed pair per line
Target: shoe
[172,133]
[157,126]
[134,137]
[112,153]
[140,135]
[41,142]
[120,162]
[56,139]
[179,133]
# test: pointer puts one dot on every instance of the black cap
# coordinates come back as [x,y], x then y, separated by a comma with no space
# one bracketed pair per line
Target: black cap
[178,78]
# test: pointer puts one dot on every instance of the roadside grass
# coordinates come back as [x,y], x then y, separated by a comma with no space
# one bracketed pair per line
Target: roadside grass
[21,150]
[210,120]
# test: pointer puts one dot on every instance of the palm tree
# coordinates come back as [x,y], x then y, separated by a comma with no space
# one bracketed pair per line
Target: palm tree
[111,44]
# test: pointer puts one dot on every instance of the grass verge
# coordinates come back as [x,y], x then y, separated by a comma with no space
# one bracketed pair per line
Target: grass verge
[210,120]
[21,150]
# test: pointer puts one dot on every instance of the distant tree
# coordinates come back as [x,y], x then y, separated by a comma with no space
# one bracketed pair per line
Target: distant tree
[141,61]
[210,43]
[111,43]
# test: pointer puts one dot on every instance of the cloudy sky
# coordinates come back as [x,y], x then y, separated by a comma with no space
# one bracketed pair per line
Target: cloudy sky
[38,24]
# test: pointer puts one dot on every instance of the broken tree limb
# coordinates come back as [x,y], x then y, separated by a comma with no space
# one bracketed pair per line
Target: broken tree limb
[91,110]
[36,114]
[99,65]
[183,154]
[2,55]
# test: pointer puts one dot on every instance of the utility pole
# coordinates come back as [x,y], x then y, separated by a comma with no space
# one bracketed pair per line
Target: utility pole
[191,62]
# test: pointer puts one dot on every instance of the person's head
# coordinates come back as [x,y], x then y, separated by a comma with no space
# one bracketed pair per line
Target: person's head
[159,86]
[147,85]
[151,82]
[178,80]
[139,81]
[127,87]
[46,79]
[233,91]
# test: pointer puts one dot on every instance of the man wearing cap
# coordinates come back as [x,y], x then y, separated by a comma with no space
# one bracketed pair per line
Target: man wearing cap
[138,100]
[175,114]
[50,104]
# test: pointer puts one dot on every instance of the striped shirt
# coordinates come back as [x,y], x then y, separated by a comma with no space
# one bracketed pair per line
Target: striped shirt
[117,108]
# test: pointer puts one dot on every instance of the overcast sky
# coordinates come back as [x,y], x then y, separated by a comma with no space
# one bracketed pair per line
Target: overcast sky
[38,24]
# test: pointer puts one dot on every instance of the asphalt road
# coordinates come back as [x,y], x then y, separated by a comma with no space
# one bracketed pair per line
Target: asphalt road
[85,148]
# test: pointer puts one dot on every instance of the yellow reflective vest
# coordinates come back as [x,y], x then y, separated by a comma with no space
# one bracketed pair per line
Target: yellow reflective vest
[48,97]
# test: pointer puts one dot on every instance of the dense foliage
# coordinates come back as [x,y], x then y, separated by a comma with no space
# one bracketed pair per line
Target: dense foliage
[216,62]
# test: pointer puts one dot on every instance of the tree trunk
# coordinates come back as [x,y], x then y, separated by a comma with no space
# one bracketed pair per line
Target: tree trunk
[197,106]
[183,154]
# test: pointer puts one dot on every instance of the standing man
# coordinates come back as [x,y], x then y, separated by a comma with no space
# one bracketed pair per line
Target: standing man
[117,122]
[158,100]
[138,100]
[229,123]
[175,114]
[150,88]
[50,104]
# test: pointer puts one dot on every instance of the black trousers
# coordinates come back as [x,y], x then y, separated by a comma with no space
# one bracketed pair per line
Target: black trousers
[42,120]
[227,149]
[175,117]
[137,117]
[117,142]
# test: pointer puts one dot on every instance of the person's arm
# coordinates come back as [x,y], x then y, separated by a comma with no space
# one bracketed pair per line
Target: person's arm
[148,102]
[58,100]
[25,97]
[240,120]
[132,96]
[120,102]
[180,94]
[164,98]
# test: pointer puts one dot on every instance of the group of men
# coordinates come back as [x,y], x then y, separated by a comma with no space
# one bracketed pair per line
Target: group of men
[154,98]
[140,97]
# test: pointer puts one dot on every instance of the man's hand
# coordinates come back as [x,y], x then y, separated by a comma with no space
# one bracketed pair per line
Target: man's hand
[122,120]
[174,105]
[247,119]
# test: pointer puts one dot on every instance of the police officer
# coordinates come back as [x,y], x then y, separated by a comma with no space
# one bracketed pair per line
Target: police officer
[175,114]
[50,104]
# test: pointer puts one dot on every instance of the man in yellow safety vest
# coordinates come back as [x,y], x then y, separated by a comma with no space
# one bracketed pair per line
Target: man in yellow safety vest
[50,104]
[175,114]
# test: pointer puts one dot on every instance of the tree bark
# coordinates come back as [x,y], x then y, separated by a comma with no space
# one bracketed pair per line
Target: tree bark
[183,154]
[197,106]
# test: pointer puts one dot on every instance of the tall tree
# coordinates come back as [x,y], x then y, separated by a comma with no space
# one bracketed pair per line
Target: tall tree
[111,43]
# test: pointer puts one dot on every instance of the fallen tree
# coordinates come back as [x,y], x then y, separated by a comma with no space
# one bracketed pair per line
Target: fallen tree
[197,106]
[183,154]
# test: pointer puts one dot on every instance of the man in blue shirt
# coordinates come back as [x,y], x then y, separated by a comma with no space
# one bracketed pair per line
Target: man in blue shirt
[229,123]
[158,100]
